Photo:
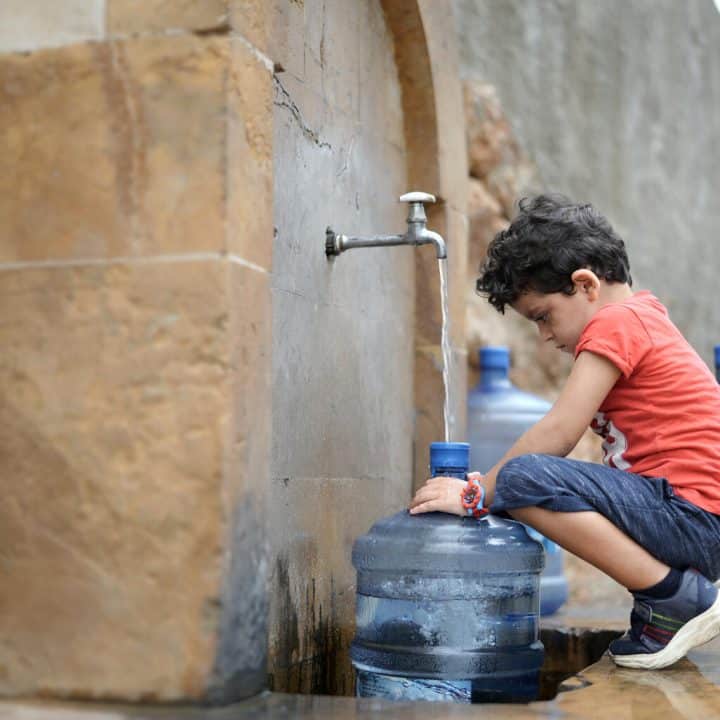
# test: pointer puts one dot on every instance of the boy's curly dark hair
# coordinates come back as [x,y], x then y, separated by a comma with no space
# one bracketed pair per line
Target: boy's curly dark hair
[549,240]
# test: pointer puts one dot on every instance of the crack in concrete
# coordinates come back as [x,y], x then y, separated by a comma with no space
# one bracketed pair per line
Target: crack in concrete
[287,102]
[322,38]
[344,168]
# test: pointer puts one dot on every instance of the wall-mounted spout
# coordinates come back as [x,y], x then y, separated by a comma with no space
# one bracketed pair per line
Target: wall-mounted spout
[417,232]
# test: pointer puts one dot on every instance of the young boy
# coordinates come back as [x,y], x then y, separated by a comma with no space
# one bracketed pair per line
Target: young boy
[650,516]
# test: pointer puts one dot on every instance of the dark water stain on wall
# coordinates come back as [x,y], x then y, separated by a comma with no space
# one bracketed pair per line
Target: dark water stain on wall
[288,637]
[312,650]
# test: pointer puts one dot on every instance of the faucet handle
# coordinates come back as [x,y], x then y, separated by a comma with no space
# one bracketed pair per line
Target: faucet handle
[420,197]
[416,206]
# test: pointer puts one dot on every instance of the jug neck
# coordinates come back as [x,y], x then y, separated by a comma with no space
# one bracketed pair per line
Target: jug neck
[494,378]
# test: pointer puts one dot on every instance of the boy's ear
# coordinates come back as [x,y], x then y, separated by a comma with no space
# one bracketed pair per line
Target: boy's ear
[587,282]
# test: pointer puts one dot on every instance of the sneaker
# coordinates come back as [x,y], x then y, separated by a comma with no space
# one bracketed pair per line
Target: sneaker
[663,631]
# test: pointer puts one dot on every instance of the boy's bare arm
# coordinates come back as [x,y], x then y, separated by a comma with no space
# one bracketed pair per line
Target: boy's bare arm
[591,379]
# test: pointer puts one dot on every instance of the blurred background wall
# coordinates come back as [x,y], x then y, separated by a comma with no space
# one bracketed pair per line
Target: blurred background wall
[615,103]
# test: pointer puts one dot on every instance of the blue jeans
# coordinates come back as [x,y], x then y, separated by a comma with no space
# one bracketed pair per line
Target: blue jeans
[671,529]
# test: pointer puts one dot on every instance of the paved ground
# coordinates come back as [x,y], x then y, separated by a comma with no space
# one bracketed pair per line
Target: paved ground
[689,690]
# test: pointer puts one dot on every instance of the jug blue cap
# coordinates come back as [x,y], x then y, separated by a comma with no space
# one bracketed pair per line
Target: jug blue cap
[449,458]
[495,358]
[717,355]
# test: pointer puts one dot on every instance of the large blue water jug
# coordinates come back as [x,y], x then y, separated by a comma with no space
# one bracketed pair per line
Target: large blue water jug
[498,414]
[447,609]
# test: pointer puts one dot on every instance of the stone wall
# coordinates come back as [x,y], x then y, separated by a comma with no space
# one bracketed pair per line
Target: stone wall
[342,331]
[182,365]
[345,349]
[135,248]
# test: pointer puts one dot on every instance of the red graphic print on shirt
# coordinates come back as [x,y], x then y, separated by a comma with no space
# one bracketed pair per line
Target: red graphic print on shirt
[614,442]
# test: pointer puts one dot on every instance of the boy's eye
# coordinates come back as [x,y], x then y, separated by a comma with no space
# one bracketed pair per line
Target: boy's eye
[541,318]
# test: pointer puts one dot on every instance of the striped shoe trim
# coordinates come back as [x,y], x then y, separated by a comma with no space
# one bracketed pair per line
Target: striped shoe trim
[662,636]
[665,626]
[672,622]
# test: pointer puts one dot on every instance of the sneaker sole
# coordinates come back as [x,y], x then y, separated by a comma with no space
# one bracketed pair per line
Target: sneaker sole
[699,630]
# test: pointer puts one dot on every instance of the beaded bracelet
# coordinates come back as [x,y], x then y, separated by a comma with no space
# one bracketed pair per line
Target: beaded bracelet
[472,497]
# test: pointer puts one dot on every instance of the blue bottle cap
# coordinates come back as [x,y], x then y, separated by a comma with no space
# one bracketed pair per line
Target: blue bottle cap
[495,358]
[451,458]
[717,355]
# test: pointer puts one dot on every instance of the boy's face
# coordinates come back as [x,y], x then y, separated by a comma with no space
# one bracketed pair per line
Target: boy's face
[560,318]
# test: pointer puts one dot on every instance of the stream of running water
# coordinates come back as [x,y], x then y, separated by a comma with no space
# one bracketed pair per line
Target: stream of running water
[446,352]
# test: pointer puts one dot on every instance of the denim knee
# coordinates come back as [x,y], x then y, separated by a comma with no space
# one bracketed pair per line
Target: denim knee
[521,471]
[524,481]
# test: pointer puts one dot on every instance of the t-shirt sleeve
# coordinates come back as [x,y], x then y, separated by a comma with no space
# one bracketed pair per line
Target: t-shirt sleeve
[616,333]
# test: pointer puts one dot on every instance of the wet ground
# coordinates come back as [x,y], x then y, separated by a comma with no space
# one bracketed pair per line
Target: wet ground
[688,690]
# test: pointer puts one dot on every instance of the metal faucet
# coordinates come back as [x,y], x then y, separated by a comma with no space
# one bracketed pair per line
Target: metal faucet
[417,232]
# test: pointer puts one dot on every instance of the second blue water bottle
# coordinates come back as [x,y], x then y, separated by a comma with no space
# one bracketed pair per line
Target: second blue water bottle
[498,414]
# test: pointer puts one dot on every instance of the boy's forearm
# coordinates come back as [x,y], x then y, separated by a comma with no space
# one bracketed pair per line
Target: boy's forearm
[590,380]
[543,437]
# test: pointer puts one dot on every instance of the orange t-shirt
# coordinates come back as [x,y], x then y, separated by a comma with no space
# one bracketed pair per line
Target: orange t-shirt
[662,416]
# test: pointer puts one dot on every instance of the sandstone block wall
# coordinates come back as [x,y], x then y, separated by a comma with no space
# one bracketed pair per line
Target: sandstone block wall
[135,249]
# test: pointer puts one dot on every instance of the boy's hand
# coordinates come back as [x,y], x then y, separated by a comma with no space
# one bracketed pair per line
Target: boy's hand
[439,494]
